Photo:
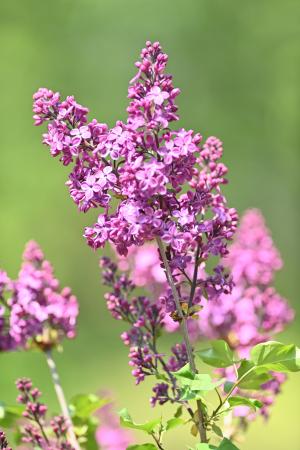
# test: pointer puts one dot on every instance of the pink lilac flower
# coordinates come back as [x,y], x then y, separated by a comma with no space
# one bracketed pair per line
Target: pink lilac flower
[36,308]
[254,312]
[167,182]
[145,267]
[109,434]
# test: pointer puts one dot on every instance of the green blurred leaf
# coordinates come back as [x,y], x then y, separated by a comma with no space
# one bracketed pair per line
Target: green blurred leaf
[218,355]
[84,405]
[242,401]
[217,430]
[276,356]
[173,423]
[127,422]
[226,444]
[178,412]
[10,414]
[228,385]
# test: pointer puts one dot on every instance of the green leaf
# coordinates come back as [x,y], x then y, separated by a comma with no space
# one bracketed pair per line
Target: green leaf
[228,386]
[10,414]
[242,401]
[142,447]
[226,444]
[187,394]
[196,382]
[84,405]
[218,355]
[184,373]
[255,378]
[178,412]
[217,430]
[203,382]
[127,422]
[173,423]
[276,356]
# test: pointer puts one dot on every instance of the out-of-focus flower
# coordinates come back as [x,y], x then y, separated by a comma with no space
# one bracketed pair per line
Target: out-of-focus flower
[109,434]
[35,308]
[254,312]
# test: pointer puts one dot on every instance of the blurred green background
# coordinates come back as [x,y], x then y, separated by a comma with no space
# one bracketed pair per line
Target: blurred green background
[238,65]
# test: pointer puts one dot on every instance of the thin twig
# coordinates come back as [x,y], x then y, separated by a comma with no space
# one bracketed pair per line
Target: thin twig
[61,398]
[201,427]
[195,276]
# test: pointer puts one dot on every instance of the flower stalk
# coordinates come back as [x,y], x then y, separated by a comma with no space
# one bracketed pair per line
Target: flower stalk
[61,398]
[184,329]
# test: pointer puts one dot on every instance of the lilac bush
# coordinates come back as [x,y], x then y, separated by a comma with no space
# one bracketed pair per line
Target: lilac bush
[160,204]
[252,313]
[154,183]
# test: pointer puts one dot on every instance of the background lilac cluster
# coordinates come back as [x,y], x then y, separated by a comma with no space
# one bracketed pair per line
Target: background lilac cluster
[253,312]
[34,309]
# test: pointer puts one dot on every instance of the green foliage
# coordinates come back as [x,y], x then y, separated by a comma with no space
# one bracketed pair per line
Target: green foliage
[127,422]
[194,385]
[84,405]
[276,356]
[265,357]
[173,423]
[253,377]
[238,401]
[82,408]
[226,444]
[204,382]
[219,354]
[10,414]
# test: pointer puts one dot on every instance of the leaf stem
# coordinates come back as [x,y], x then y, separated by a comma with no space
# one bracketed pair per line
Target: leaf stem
[61,398]
[231,391]
[201,426]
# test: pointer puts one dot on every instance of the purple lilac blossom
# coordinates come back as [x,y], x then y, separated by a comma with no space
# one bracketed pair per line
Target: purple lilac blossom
[35,308]
[167,182]
[33,432]
[254,312]
[145,319]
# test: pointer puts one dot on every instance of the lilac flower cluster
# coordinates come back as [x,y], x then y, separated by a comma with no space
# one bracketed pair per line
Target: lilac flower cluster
[254,312]
[168,183]
[146,322]
[36,433]
[34,308]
